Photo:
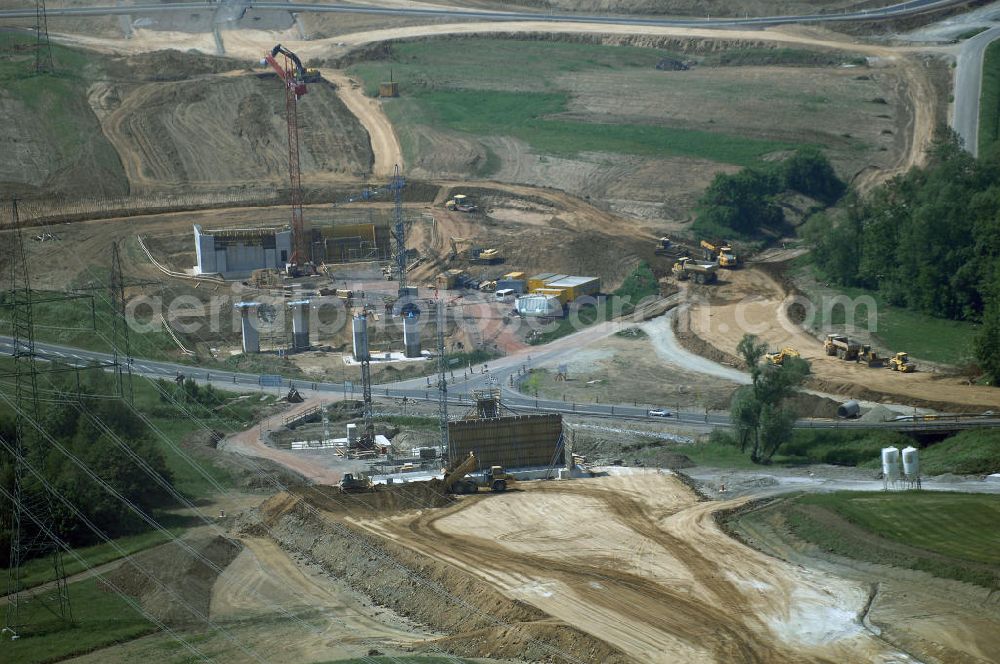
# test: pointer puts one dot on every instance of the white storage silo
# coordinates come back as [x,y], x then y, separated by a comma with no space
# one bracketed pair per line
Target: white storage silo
[890,463]
[911,462]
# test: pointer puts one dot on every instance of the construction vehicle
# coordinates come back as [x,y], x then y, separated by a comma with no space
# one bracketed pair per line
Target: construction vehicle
[293,75]
[457,242]
[461,203]
[496,479]
[487,257]
[456,480]
[312,75]
[664,247]
[387,273]
[871,357]
[901,362]
[702,273]
[842,347]
[721,252]
[351,484]
[266,278]
[778,358]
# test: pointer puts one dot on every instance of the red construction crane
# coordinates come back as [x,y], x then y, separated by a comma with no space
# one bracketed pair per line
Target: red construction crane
[293,74]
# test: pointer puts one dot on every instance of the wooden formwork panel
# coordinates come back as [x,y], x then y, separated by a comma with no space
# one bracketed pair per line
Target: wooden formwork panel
[513,442]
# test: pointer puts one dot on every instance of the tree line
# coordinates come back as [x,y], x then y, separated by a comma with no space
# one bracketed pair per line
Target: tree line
[928,240]
[745,205]
[76,425]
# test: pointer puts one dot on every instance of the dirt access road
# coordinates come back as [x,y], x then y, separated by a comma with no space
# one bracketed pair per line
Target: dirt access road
[368,111]
[749,301]
[638,562]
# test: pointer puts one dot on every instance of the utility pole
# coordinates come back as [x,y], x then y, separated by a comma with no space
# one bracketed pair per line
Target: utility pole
[43,49]
[443,383]
[25,542]
[120,352]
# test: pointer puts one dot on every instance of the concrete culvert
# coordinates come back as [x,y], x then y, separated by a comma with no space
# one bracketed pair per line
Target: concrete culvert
[849,409]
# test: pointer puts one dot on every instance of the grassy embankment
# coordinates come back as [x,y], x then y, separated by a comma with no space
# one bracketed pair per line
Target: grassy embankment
[975,452]
[63,126]
[896,328]
[948,535]
[989,98]
[487,93]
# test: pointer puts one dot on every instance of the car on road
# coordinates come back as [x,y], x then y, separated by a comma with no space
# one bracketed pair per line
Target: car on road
[658,412]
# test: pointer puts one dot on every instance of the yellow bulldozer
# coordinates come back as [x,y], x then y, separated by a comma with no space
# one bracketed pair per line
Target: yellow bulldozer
[901,362]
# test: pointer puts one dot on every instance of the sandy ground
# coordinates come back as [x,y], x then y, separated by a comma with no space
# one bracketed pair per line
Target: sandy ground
[264,576]
[637,562]
[751,302]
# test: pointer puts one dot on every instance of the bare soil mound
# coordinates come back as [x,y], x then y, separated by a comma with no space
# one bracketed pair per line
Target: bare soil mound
[173,65]
[230,130]
[481,620]
[170,583]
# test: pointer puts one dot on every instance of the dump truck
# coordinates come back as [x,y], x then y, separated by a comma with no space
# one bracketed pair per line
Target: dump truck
[841,346]
[722,252]
[461,203]
[778,358]
[456,480]
[701,273]
[871,357]
[351,484]
[901,362]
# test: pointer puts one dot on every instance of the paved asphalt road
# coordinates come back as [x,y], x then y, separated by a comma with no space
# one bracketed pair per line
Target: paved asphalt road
[892,11]
[459,395]
[968,86]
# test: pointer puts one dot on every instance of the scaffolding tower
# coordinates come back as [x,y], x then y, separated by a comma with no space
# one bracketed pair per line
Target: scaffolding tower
[399,229]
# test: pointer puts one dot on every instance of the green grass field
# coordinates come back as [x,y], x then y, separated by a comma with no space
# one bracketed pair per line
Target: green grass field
[897,329]
[950,535]
[474,96]
[39,570]
[989,99]
[100,619]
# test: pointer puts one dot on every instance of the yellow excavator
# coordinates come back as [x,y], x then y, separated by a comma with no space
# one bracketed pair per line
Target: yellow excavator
[778,358]
[455,480]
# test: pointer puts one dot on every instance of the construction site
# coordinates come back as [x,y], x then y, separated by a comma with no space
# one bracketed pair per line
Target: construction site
[422,333]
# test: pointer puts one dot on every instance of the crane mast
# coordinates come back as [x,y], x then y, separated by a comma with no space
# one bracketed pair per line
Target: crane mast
[293,74]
